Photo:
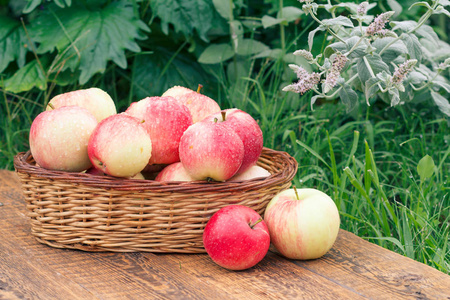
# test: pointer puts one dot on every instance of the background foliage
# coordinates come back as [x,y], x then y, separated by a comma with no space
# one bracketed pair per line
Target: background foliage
[388,168]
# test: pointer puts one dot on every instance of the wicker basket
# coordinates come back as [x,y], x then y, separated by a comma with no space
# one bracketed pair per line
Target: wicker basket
[102,213]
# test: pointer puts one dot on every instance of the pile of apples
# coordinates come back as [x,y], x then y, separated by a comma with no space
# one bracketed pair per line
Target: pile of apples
[182,135]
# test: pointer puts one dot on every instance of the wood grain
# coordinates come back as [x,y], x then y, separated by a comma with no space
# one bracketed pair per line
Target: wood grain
[353,269]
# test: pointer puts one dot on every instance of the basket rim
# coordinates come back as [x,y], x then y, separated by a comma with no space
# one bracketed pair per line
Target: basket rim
[288,168]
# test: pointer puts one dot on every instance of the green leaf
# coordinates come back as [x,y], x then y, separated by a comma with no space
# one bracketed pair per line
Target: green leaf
[394,51]
[425,167]
[31,5]
[441,10]
[395,6]
[340,20]
[154,73]
[358,52]
[13,42]
[394,96]
[290,13]
[349,97]
[373,65]
[250,46]
[224,8]
[422,3]
[413,45]
[63,3]
[216,53]
[403,25]
[371,88]
[441,102]
[88,39]
[311,35]
[427,32]
[26,78]
[185,16]
[444,2]
[268,21]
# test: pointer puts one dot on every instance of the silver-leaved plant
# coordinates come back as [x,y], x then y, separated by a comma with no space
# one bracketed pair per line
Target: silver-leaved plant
[371,56]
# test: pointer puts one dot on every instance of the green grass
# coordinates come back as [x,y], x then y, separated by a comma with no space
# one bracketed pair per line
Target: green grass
[367,161]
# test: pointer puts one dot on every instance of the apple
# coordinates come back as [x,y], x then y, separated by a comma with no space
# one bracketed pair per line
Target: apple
[199,105]
[120,146]
[97,101]
[303,223]
[211,151]
[251,173]
[248,130]
[174,172]
[165,120]
[59,138]
[236,237]
[97,172]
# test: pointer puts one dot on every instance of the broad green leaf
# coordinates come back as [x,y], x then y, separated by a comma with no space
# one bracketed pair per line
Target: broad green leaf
[427,32]
[154,73]
[224,8]
[185,16]
[268,21]
[442,10]
[13,43]
[422,3]
[416,78]
[290,13]
[425,167]
[216,53]
[441,102]
[371,88]
[352,7]
[413,45]
[348,96]
[395,6]
[31,5]
[250,46]
[272,53]
[403,25]
[370,64]
[444,2]
[88,39]
[358,52]
[311,35]
[26,78]
[340,20]
[394,96]
[394,51]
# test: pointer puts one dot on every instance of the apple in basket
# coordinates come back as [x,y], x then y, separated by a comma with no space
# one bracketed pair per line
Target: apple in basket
[248,130]
[303,223]
[173,172]
[251,173]
[211,150]
[165,120]
[120,146]
[236,237]
[59,138]
[97,101]
[199,105]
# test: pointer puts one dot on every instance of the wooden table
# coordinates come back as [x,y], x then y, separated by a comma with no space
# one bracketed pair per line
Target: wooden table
[353,269]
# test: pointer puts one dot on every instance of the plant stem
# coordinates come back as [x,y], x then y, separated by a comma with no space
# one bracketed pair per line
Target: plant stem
[328,28]
[254,224]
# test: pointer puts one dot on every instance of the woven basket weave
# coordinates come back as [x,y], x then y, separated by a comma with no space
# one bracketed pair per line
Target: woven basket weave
[101,213]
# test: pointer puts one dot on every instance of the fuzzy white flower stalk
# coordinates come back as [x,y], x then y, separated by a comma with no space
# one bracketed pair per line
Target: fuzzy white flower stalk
[362,8]
[402,70]
[305,54]
[335,71]
[377,26]
[306,80]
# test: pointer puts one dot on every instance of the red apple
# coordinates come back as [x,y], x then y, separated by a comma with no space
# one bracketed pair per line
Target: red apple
[211,150]
[248,130]
[236,237]
[97,101]
[59,138]
[174,172]
[199,105]
[120,146]
[165,120]
[251,173]
[303,223]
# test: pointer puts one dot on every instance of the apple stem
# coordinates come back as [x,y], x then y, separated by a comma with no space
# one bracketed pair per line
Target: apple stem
[199,88]
[253,225]
[224,114]
[51,105]
[296,192]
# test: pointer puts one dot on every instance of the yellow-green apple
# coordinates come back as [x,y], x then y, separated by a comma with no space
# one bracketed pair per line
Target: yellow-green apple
[97,172]
[199,105]
[248,130]
[120,146]
[173,172]
[97,101]
[165,120]
[303,223]
[251,173]
[211,150]
[59,138]
[236,237]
